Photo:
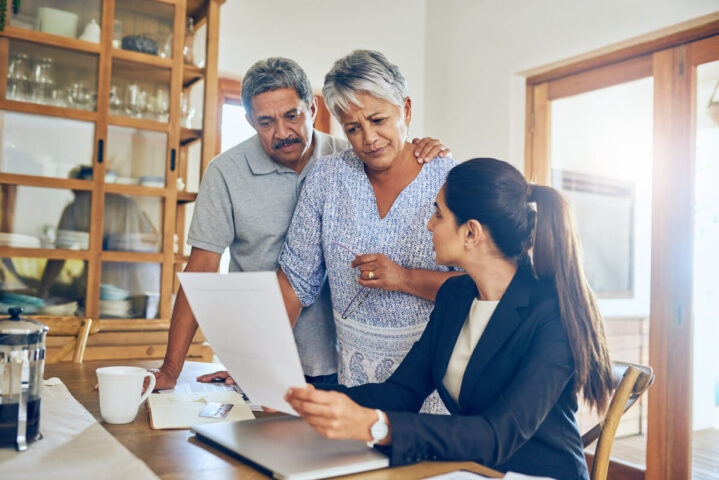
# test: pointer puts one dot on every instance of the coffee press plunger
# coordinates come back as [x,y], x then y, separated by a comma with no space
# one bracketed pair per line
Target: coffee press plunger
[22,361]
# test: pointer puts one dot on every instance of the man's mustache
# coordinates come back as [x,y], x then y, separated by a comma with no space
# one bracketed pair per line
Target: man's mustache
[285,142]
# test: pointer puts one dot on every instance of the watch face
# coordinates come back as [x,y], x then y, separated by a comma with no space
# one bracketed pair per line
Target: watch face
[379,431]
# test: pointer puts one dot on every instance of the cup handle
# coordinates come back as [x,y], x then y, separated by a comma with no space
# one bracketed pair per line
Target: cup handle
[150,387]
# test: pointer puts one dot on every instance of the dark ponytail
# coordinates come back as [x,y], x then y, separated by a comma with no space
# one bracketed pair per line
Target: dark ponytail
[496,195]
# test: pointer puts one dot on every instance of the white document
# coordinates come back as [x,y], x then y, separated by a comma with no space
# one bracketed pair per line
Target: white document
[243,317]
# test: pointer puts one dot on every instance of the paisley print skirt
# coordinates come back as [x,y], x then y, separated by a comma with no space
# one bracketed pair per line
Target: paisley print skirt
[370,353]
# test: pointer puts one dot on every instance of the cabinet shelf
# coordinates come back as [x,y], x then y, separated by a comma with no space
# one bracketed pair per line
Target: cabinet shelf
[125,256]
[50,39]
[141,123]
[49,253]
[142,58]
[186,197]
[189,135]
[45,182]
[136,190]
[191,74]
[49,110]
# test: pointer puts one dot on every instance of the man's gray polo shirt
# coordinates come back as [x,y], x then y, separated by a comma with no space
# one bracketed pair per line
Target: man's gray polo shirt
[245,202]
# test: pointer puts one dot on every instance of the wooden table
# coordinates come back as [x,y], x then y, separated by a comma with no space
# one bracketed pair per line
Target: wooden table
[177,454]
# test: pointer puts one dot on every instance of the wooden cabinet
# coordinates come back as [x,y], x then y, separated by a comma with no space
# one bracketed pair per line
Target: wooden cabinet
[99,160]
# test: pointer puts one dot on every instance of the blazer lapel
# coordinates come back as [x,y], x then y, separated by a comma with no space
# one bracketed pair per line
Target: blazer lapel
[453,321]
[501,326]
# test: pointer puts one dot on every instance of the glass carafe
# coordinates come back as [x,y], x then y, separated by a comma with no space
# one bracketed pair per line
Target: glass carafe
[22,361]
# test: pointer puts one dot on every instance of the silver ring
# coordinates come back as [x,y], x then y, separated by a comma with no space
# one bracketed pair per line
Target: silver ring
[370,275]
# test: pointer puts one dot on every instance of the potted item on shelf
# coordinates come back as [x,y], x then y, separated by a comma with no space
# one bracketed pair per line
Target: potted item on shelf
[91,33]
[140,43]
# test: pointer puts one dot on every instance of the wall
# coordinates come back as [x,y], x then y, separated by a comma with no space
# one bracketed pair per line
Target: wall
[476,48]
[315,33]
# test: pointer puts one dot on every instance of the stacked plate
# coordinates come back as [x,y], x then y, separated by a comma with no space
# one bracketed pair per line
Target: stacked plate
[152,181]
[114,301]
[18,240]
[60,309]
[133,242]
[72,240]
[28,303]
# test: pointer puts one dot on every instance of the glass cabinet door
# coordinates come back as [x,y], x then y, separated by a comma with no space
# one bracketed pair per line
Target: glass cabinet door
[130,289]
[43,286]
[136,157]
[132,223]
[140,91]
[144,26]
[37,217]
[51,76]
[23,154]
[67,18]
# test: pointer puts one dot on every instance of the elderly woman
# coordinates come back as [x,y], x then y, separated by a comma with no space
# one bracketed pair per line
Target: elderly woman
[360,221]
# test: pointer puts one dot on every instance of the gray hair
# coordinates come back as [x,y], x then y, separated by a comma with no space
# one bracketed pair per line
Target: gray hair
[273,74]
[363,71]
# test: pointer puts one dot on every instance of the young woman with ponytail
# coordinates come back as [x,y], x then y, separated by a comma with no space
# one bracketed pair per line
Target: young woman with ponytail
[509,345]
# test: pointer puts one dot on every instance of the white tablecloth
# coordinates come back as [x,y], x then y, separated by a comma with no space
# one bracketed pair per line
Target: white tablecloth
[74,446]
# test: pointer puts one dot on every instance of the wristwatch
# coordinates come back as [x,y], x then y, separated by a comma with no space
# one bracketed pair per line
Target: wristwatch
[379,429]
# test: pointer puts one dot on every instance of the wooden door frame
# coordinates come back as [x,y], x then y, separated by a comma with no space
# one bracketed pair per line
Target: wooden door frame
[671,57]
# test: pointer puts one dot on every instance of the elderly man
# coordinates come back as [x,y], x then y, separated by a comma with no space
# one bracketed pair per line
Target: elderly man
[246,201]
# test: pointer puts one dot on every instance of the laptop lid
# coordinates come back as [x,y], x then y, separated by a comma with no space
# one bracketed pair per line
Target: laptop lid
[290,449]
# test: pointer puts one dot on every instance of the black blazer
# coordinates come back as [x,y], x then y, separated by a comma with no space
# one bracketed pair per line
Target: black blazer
[516,405]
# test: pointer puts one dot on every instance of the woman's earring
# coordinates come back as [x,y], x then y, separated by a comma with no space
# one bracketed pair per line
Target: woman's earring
[466,244]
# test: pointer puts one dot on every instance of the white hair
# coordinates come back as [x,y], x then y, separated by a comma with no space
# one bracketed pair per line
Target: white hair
[365,71]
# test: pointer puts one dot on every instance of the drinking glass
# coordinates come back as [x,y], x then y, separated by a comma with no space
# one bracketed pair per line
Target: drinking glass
[81,96]
[18,77]
[187,111]
[116,99]
[43,80]
[135,99]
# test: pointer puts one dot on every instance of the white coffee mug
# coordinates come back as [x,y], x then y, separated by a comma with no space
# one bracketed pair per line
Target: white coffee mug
[121,392]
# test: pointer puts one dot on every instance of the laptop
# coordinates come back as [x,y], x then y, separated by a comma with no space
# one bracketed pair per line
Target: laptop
[288,448]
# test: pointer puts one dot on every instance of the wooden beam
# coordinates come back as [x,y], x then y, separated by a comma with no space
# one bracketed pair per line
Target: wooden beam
[662,39]
[211,84]
[669,427]
[537,166]
[613,74]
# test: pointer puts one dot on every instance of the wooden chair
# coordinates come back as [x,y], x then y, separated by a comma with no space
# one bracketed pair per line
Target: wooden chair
[631,381]
[78,327]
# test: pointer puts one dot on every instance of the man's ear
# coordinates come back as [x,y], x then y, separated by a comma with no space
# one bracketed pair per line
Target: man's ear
[313,108]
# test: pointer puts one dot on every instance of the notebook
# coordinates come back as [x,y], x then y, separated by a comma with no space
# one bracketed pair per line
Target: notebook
[181,410]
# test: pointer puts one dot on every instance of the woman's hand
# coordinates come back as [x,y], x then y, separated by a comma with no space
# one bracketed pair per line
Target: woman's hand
[378,271]
[332,414]
[425,149]
[216,377]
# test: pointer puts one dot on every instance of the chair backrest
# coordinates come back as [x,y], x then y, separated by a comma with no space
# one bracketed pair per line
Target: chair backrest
[631,381]
[78,327]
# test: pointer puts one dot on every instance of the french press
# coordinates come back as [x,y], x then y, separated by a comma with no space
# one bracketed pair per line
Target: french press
[22,361]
